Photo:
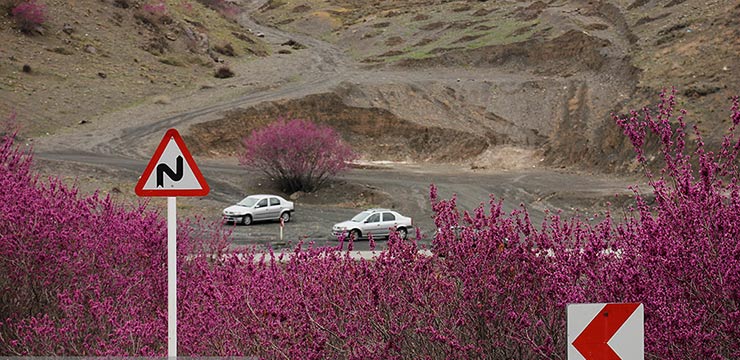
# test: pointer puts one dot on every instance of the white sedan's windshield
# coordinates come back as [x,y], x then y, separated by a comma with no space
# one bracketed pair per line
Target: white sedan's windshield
[361,216]
[249,201]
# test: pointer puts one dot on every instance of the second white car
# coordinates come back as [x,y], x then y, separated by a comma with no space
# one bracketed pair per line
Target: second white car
[377,222]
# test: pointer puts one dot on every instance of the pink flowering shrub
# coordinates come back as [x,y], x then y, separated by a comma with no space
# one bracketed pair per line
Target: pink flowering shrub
[29,15]
[154,13]
[87,277]
[682,253]
[298,154]
[81,275]
[227,9]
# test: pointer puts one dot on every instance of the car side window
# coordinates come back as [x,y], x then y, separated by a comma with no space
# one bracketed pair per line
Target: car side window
[262,203]
[274,201]
[389,217]
[373,218]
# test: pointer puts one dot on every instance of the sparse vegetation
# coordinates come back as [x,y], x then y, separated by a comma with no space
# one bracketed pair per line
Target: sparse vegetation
[223,72]
[155,14]
[29,15]
[226,49]
[226,8]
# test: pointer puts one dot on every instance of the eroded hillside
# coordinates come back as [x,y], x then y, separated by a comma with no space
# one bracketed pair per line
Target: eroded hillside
[563,67]
[471,82]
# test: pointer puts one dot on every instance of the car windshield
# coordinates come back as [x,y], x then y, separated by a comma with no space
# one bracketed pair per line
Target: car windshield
[248,201]
[361,216]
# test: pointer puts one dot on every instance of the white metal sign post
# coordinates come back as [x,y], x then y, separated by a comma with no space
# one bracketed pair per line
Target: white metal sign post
[171,276]
[172,172]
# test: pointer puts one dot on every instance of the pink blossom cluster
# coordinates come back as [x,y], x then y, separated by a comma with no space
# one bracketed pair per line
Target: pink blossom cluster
[87,276]
[299,154]
[158,9]
[29,15]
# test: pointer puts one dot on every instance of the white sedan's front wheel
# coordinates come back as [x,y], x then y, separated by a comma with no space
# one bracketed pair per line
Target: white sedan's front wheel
[247,219]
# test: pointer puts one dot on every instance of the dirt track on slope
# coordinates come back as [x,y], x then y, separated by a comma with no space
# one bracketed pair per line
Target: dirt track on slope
[112,151]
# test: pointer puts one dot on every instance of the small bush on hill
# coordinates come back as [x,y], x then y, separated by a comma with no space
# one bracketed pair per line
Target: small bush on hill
[154,14]
[227,9]
[29,15]
[299,154]
[226,49]
[224,72]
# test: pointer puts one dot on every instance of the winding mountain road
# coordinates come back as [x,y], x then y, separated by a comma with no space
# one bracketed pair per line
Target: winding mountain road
[122,142]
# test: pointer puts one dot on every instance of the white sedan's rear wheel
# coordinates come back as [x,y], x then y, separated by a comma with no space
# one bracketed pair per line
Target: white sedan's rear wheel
[285,216]
[402,233]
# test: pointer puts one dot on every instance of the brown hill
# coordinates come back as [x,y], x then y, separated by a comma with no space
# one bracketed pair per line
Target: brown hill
[540,76]
[618,54]
[91,57]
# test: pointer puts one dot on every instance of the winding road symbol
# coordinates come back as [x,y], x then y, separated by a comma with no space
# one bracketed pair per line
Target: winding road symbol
[165,169]
[172,171]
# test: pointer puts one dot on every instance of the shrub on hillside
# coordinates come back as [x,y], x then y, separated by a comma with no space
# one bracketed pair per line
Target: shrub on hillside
[29,15]
[224,72]
[154,14]
[298,154]
[227,9]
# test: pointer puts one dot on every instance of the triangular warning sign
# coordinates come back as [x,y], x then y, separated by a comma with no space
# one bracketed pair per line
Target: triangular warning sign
[172,171]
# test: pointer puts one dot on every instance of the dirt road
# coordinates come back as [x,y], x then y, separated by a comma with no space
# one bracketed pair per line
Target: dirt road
[119,144]
[407,185]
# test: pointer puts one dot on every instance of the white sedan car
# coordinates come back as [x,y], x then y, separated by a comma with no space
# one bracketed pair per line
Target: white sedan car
[377,222]
[258,208]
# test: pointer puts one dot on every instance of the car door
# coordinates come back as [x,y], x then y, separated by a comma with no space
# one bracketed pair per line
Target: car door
[260,210]
[372,225]
[387,222]
[273,211]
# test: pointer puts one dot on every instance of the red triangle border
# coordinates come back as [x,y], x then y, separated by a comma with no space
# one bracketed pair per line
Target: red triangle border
[172,134]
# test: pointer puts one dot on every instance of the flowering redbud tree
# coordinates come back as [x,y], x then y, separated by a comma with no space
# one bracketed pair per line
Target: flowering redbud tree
[298,154]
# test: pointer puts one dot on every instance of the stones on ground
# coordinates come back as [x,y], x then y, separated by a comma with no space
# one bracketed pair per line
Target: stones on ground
[294,44]
[162,100]
[68,29]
